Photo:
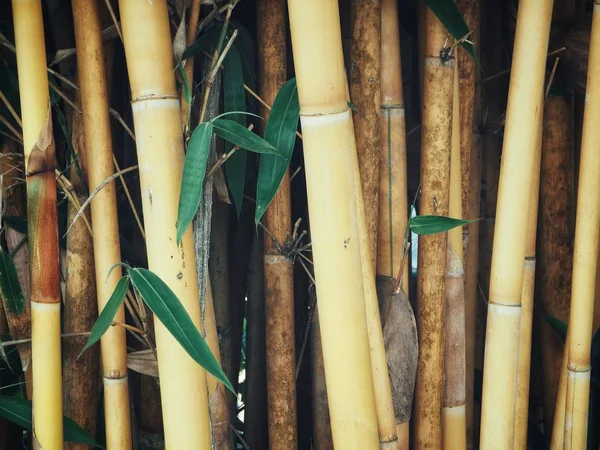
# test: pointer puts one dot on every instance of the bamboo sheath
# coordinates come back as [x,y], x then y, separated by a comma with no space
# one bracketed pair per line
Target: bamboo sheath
[386,419]
[98,151]
[364,84]
[506,281]
[454,426]
[278,267]
[524,361]
[393,203]
[40,163]
[328,147]
[585,256]
[436,147]
[157,120]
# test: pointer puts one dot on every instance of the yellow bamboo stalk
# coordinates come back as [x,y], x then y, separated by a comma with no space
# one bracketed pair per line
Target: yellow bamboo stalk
[393,203]
[454,428]
[157,120]
[518,156]
[386,419]
[585,255]
[105,225]
[365,94]
[436,144]
[328,148]
[40,163]
[278,268]
[524,362]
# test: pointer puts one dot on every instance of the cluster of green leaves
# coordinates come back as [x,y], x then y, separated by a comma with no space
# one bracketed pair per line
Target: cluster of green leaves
[167,308]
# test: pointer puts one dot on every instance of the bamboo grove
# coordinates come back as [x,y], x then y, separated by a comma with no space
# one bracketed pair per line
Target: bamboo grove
[301,224]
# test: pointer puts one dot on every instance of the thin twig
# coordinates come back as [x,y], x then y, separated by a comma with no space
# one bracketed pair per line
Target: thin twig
[11,137]
[129,327]
[296,172]
[551,79]
[11,109]
[114,18]
[8,125]
[116,115]
[63,79]
[225,156]
[26,340]
[241,439]
[129,198]
[98,189]
[62,95]
[311,311]
[69,192]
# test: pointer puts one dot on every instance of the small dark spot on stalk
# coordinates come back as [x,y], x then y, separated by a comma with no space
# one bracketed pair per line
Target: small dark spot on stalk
[179,275]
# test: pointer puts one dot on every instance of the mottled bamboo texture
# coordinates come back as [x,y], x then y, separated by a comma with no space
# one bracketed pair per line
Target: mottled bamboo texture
[556,234]
[159,142]
[365,95]
[328,156]
[80,373]
[40,163]
[278,268]
[508,254]
[105,225]
[436,147]
[585,256]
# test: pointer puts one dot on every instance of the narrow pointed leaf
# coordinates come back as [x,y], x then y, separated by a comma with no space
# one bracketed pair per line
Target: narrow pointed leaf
[423,225]
[19,412]
[559,327]
[165,305]
[239,135]
[12,294]
[234,99]
[192,180]
[447,12]
[280,132]
[107,315]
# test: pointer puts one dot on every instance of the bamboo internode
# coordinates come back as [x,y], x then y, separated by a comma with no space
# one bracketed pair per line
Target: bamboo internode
[157,120]
[506,280]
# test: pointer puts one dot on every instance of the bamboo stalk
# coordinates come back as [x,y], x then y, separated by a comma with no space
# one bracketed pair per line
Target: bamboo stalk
[80,373]
[40,163]
[524,361]
[365,94]
[454,435]
[188,68]
[393,203]
[328,147]
[157,120]
[436,146]
[556,234]
[13,201]
[585,256]
[518,156]
[278,267]
[98,153]
[386,419]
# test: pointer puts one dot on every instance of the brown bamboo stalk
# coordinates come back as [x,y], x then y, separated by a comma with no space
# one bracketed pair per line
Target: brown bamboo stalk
[157,120]
[436,144]
[188,68]
[278,267]
[13,200]
[80,374]
[328,155]
[453,411]
[365,94]
[556,234]
[40,163]
[518,155]
[524,362]
[585,256]
[98,149]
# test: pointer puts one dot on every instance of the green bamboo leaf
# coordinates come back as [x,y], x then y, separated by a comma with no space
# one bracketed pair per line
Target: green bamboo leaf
[12,294]
[168,309]
[107,315]
[19,412]
[234,99]
[280,132]
[17,223]
[205,43]
[192,180]
[559,327]
[447,12]
[239,135]
[423,225]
